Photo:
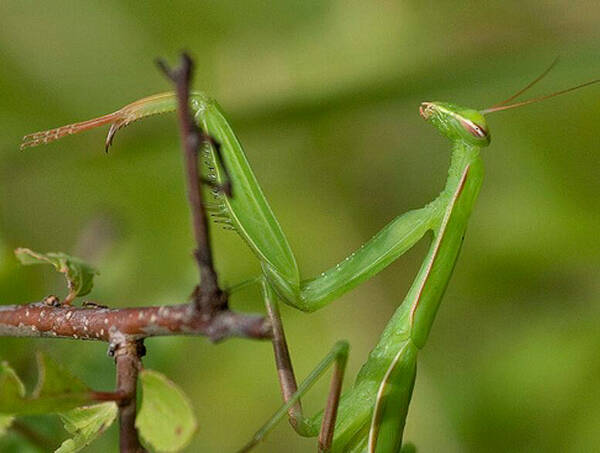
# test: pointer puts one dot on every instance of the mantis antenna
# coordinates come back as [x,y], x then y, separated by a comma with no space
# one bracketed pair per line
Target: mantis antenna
[523,90]
[534,100]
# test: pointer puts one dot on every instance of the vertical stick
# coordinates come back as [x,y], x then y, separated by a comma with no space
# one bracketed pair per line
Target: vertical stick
[191,139]
[127,359]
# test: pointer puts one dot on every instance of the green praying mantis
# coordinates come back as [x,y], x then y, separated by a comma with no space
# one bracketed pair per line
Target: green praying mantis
[370,416]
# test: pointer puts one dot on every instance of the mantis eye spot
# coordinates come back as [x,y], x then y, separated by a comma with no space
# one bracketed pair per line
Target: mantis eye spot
[473,129]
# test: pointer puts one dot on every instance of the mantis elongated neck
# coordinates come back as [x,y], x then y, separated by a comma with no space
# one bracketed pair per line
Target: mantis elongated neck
[463,157]
[464,181]
[414,318]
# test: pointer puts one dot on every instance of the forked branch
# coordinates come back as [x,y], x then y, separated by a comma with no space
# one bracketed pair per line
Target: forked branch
[126,328]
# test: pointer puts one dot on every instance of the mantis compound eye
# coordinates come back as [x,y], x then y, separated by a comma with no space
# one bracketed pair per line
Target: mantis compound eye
[472,128]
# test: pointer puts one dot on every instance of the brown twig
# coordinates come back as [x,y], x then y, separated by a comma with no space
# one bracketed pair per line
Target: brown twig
[104,324]
[128,360]
[209,296]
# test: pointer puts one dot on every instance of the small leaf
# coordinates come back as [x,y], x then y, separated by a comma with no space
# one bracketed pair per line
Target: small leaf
[79,275]
[54,380]
[166,419]
[56,390]
[86,424]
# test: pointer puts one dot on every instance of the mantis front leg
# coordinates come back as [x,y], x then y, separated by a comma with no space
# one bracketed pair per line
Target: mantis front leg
[249,214]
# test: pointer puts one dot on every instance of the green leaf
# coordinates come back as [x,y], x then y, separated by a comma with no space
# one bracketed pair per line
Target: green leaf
[54,380]
[56,390]
[166,420]
[5,422]
[79,275]
[86,424]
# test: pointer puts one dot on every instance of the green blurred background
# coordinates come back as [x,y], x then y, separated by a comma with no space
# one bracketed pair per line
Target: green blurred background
[324,95]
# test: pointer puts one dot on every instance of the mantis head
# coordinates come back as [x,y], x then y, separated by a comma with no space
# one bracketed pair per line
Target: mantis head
[457,123]
[470,126]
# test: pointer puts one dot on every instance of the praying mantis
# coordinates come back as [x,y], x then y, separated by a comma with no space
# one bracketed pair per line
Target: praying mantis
[370,416]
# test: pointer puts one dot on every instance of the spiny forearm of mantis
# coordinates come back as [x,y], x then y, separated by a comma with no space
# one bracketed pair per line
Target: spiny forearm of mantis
[249,214]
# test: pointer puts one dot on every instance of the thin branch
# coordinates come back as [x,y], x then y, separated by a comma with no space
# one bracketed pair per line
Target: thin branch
[128,360]
[109,396]
[209,296]
[104,324]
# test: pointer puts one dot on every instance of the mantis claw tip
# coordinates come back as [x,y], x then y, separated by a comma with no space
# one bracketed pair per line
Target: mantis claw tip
[114,127]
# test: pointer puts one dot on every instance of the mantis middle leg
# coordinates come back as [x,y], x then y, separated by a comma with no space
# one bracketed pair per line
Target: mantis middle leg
[291,392]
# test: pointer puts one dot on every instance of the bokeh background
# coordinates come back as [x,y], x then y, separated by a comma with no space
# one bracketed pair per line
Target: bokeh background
[324,95]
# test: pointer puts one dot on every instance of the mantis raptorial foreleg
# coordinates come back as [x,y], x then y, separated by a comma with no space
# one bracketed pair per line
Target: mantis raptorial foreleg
[371,415]
[249,213]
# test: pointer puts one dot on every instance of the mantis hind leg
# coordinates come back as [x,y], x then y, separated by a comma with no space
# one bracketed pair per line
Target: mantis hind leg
[292,393]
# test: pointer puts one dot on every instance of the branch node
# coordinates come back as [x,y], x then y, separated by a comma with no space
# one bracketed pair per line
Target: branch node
[52,301]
